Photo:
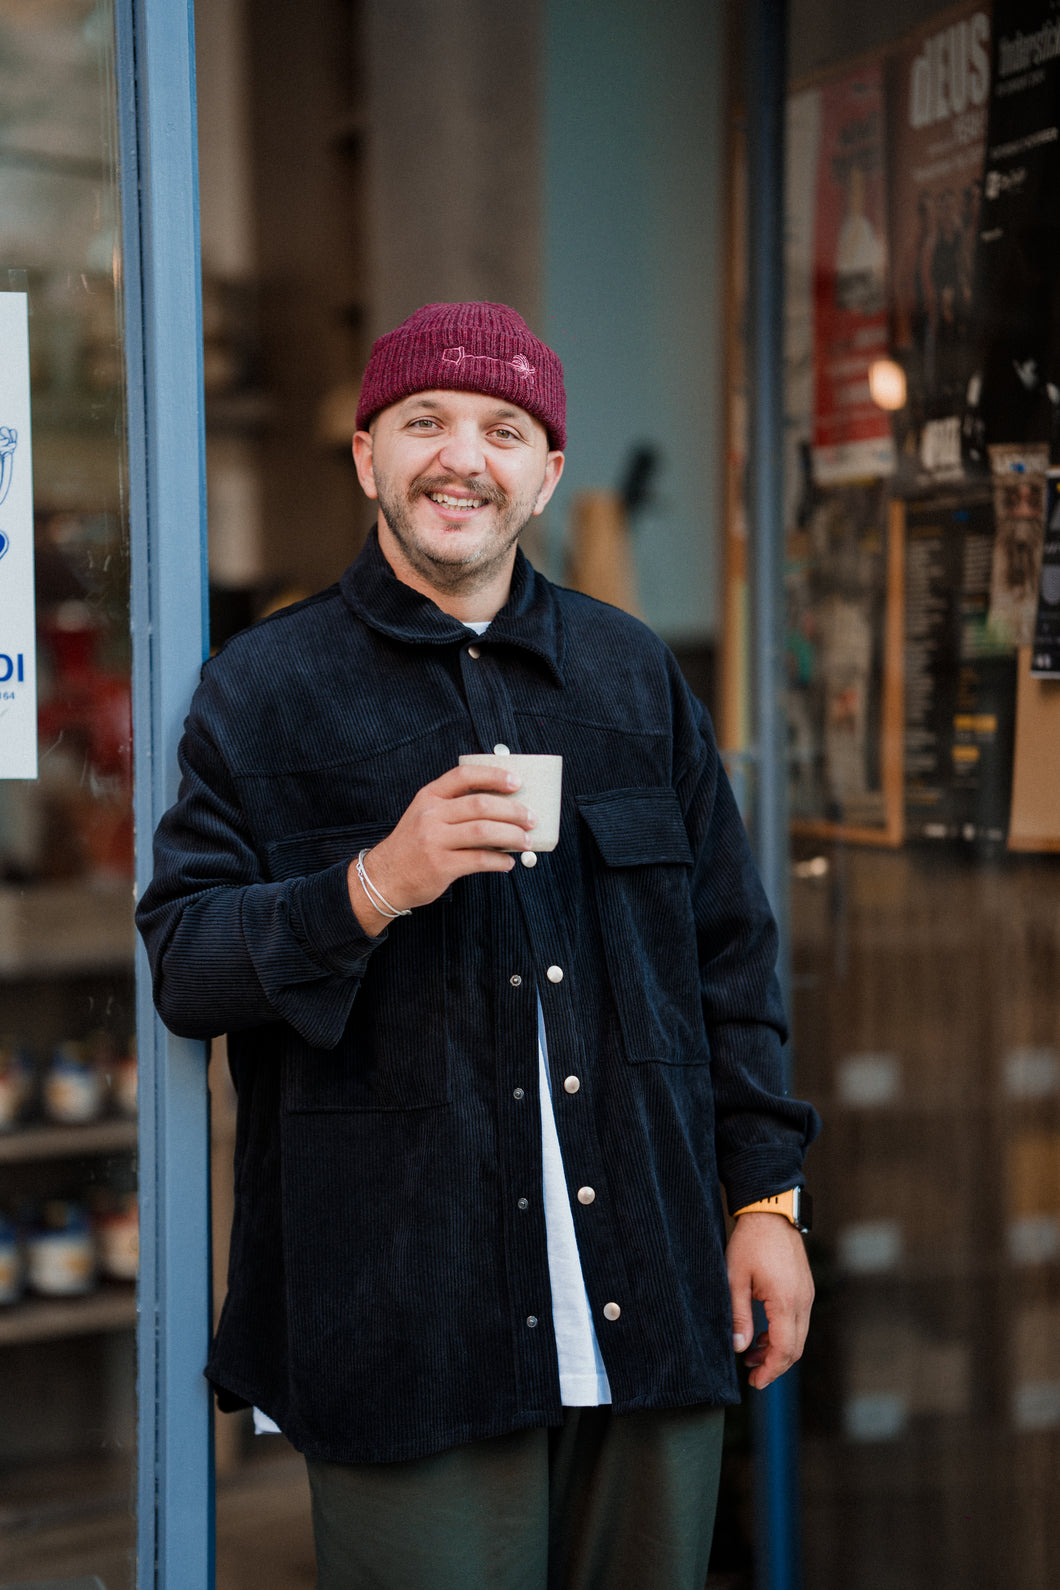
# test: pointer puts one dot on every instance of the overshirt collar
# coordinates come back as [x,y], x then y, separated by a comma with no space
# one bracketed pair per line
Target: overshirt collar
[529,619]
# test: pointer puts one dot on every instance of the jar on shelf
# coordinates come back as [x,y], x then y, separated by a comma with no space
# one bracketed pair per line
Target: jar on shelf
[10,1263]
[123,1082]
[117,1225]
[16,1083]
[61,1252]
[73,1086]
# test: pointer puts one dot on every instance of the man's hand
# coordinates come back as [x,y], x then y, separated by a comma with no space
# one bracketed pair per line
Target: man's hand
[767,1262]
[460,824]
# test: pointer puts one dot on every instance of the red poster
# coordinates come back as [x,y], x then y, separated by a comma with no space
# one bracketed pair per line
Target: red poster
[852,435]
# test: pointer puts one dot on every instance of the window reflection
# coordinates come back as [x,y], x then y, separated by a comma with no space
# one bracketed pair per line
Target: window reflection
[68,1221]
[923,727]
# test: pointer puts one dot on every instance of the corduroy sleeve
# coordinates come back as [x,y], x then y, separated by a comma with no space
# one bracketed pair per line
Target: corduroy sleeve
[228,949]
[761,1132]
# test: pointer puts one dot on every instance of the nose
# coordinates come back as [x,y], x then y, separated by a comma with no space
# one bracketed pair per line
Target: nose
[462,452]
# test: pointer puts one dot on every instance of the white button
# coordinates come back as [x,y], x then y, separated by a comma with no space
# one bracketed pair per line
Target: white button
[531,1320]
[517,1093]
[586,1195]
[611,1311]
[515,980]
[501,750]
[555,974]
[572,1084]
[529,858]
[524,1203]
[473,651]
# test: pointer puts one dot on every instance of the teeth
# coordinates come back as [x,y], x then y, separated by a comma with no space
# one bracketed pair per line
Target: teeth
[456,502]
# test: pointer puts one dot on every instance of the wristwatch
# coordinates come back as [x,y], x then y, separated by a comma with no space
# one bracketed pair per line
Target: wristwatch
[795,1205]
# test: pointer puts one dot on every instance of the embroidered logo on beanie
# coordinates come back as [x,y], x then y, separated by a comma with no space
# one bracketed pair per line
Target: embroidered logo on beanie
[520,364]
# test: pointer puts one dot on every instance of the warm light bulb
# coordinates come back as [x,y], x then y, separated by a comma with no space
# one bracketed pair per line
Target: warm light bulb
[887,384]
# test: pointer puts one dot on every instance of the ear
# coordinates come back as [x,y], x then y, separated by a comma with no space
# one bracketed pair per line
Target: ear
[553,470]
[362,457]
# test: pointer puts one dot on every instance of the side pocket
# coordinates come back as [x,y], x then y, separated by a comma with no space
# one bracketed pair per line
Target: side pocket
[646,921]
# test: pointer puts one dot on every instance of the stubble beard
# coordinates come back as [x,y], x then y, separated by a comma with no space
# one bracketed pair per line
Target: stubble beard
[464,570]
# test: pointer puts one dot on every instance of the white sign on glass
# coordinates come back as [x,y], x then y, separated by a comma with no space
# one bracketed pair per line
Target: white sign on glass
[18,654]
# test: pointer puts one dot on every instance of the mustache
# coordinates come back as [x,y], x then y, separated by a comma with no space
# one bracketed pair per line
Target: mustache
[488,490]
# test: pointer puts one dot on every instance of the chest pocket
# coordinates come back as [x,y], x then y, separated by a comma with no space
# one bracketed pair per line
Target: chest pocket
[646,921]
[394,1053]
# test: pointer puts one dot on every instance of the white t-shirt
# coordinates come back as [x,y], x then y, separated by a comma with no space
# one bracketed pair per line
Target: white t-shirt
[582,1377]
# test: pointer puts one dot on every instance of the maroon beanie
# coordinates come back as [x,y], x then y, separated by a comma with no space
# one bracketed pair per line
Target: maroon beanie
[467,348]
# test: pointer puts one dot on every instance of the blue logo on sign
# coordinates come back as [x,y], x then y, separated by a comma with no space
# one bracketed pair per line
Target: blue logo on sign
[5,542]
[8,443]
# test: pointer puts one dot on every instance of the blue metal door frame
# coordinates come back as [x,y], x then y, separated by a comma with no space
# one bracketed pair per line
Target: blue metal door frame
[776,1414]
[163,339]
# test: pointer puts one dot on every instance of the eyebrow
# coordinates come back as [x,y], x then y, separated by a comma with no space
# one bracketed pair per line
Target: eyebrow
[504,412]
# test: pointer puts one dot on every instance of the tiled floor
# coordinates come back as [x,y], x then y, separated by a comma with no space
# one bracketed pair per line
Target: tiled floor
[264,1538]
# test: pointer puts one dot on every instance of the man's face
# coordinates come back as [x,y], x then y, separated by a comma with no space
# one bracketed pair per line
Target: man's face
[457,476]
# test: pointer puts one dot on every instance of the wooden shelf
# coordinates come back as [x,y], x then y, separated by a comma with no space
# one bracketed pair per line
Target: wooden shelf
[66,1142]
[112,1308]
[52,928]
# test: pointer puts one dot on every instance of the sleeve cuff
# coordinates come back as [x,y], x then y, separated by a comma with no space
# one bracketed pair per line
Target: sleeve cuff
[322,917]
[761,1173]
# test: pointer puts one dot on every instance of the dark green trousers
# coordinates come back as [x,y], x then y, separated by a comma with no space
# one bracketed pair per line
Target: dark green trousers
[625,1503]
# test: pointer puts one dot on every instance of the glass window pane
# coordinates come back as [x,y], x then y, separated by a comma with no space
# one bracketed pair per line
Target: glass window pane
[923,737]
[68,1228]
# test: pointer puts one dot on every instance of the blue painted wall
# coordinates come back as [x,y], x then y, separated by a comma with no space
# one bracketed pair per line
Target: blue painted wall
[634,276]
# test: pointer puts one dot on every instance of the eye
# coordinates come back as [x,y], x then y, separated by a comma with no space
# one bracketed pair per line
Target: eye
[423,423]
[503,433]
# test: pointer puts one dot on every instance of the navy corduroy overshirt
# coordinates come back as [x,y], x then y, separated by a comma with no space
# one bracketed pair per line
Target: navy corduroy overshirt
[388,1291]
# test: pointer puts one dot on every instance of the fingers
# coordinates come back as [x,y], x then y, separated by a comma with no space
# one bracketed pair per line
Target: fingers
[757,1354]
[481,835]
[468,811]
[473,801]
[462,780]
[445,828]
[774,1351]
[483,861]
[472,809]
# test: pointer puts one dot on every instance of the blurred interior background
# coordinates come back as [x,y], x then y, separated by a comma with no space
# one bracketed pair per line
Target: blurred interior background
[588,164]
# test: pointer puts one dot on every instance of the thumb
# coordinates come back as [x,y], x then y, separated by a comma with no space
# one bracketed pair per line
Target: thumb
[742,1318]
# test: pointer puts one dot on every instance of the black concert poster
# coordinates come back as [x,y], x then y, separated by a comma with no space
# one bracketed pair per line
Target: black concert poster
[1014,393]
[1045,648]
[938,93]
[960,679]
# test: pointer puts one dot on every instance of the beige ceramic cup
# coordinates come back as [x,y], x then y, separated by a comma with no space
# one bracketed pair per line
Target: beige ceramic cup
[540,789]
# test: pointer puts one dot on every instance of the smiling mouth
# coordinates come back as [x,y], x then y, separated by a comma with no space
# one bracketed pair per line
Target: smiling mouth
[463,504]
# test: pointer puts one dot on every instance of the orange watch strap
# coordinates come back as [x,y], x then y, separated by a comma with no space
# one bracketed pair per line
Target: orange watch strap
[793,1204]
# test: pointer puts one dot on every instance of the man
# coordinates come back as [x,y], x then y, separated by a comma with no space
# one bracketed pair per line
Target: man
[478,1270]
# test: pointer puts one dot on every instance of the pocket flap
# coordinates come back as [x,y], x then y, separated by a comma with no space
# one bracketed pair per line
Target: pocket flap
[300,854]
[637,827]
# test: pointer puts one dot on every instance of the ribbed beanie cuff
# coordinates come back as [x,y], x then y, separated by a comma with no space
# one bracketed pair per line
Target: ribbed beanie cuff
[476,347]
